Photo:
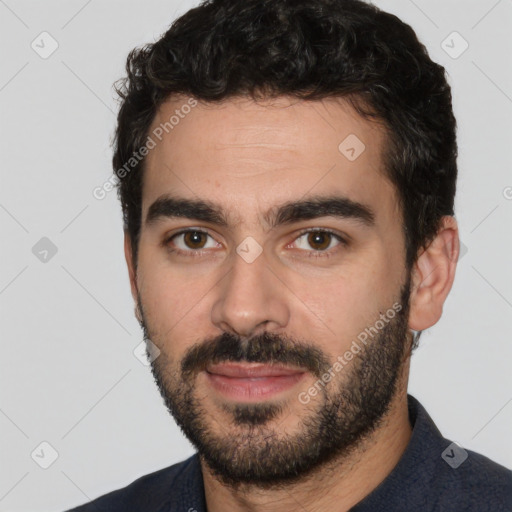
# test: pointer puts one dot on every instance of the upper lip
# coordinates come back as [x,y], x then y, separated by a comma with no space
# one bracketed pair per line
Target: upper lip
[238,370]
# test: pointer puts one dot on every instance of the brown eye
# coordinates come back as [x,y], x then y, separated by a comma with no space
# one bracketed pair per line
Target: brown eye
[190,242]
[319,240]
[194,239]
[319,243]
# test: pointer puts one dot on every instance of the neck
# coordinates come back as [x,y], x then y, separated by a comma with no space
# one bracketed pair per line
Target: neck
[338,486]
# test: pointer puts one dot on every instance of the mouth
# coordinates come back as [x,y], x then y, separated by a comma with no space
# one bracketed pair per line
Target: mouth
[252,382]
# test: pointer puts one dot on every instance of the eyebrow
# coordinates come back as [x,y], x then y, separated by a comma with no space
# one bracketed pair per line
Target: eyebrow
[313,207]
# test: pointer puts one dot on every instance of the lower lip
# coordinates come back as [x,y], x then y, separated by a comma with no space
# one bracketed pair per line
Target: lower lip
[253,388]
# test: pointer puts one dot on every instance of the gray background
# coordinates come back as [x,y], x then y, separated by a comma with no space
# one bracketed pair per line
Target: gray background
[68,373]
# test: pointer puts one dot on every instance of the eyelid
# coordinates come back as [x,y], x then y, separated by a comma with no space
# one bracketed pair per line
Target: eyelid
[341,237]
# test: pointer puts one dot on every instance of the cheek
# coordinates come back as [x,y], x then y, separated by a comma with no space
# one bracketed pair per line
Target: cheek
[174,303]
[167,304]
[351,303]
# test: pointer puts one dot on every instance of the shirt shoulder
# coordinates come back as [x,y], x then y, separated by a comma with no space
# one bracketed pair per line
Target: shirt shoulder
[151,492]
[435,474]
[478,483]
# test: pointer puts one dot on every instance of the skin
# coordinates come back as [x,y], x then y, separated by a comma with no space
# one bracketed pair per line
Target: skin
[249,157]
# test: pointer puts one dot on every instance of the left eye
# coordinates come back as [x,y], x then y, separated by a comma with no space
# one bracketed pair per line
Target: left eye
[320,240]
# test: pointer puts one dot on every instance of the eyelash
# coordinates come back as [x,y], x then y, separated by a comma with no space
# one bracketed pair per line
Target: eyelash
[312,254]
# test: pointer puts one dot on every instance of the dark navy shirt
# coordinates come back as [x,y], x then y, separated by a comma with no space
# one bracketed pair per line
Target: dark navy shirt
[433,475]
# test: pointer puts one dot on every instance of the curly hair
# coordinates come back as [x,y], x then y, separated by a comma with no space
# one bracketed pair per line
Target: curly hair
[308,49]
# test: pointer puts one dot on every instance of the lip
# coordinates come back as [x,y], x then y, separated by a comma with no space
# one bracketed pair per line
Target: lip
[254,382]
[256,370]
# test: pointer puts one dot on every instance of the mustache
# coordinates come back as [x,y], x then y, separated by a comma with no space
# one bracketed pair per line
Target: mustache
[269,348]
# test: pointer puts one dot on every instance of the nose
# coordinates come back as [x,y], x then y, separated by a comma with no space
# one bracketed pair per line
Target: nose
[250,298]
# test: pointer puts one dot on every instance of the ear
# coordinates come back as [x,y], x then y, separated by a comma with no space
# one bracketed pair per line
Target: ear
[132,272]
[433,275]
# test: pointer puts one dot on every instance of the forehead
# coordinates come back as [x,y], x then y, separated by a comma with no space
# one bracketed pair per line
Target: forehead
[251,155]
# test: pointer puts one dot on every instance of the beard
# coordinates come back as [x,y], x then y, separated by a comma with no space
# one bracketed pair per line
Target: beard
[252,450]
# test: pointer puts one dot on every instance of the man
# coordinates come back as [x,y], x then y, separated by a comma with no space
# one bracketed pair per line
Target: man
[287,174]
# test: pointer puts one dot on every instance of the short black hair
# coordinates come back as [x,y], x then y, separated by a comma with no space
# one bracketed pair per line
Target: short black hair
[308,49]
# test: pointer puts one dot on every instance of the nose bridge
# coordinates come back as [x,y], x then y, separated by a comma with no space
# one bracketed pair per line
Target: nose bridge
[249,295]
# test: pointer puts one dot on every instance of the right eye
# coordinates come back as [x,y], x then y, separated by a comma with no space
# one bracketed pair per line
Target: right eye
[191,242]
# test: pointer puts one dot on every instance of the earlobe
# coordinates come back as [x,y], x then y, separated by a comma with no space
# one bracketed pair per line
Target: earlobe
[433,275]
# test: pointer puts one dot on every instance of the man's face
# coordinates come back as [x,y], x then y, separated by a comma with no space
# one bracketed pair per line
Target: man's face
[264,287]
